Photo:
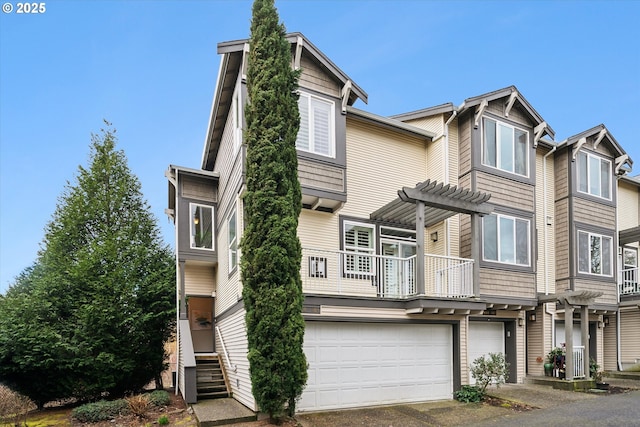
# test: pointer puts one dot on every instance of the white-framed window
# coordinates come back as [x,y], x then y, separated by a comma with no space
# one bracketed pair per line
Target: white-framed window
[359,238]
[595,254]
[594,175]
[317,125]
[201,219]
[506,239]
[236,106]
[505,147]
[232,239]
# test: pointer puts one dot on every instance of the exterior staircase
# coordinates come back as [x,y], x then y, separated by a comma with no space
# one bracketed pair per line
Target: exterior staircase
[211,378]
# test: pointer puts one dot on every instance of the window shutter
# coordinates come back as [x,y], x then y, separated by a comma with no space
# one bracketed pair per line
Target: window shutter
[321,127]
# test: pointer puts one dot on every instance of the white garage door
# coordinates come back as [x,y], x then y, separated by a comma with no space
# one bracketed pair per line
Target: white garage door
[360,364]
[484,337]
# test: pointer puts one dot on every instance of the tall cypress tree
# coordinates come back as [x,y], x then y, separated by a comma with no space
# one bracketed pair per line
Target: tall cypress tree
[272,253]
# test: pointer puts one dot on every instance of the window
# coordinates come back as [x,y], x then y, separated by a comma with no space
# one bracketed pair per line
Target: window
[505,147]
[316,134]
[232,239]
[359,239]
[505,239]
[594,175]
[594,254]
[629,274]
[201,226]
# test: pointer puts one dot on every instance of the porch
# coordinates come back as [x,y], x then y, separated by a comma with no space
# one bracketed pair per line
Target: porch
[359,274]
[628,282]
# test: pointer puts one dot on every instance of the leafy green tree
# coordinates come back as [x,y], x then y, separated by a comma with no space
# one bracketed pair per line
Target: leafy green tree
[271,259]
[93,313]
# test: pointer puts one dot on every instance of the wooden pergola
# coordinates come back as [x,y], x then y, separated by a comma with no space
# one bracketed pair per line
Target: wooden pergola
[429,203]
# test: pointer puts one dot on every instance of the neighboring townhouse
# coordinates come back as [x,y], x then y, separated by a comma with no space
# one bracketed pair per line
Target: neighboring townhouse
[628,316]
[429,239]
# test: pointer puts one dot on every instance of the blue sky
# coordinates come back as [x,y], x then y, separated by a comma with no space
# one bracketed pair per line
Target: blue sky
[150,68]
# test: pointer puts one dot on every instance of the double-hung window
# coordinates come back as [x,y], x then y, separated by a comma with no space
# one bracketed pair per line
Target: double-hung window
[359,245]
[232,239]
[595,254]
[201,218]
[594,175]
[505,239]
[505,147]
[317,127]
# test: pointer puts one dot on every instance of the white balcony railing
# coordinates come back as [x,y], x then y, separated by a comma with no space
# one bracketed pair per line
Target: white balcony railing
[578,361]
[364,274]
[628,281]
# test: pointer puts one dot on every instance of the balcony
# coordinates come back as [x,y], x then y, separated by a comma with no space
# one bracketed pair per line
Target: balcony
[628,282]
[381,276]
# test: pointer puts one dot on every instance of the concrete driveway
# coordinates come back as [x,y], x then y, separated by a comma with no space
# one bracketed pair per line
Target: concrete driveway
[554,407]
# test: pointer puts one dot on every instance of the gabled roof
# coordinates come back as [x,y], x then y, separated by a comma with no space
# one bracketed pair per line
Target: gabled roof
[602,133]
[480,102]
[514,96]
[389,123]
[234,54]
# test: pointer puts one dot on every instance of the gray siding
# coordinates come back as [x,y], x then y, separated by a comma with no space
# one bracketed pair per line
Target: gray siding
[464,146]
[321,176]
[588,212]
[314,77]
[562,238]
[562,175]
[506,192]
[505,283]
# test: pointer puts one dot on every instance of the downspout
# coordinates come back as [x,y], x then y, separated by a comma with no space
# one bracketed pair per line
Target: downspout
[546,245]
[446,177]
[175,228]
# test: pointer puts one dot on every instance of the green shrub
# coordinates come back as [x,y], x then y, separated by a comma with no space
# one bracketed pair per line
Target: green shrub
[490,369]
[100,411]
[468,394]
[159,398]
[163,420]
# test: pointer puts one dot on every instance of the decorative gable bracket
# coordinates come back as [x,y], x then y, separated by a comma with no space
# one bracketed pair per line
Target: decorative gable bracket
[621,160]
[601,135]
[579,145]
[539,131]
[510,102]
[346,92]
[480,110]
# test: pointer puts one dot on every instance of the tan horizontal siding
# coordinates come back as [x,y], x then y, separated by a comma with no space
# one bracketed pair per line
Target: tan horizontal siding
[589,212]
[609,344]
[628,206]
[630,336]
[507,283]
[373,175]
[233,331]
[535,341]
[546,235]
[505,191]
[199,279]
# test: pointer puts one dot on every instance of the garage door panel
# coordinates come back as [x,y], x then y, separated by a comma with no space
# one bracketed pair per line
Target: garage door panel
[372,364]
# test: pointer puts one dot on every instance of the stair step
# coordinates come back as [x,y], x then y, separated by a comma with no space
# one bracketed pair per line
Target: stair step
[213,394]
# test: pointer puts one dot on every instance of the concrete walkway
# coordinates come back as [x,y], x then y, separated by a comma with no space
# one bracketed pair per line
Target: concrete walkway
[217,412]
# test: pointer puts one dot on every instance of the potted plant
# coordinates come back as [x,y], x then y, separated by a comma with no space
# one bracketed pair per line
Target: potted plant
[555,362]
[597,375]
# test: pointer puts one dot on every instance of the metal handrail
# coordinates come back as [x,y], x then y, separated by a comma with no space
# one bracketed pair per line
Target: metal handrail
[234,368]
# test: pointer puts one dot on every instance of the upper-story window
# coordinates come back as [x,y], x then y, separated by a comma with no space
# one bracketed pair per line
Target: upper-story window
[505,239]
[317,127]
[232,239]
[594,175]
[359,239]
[595,254]
[505,147]
[201,226]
